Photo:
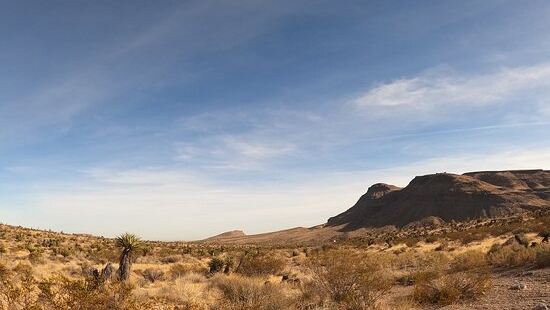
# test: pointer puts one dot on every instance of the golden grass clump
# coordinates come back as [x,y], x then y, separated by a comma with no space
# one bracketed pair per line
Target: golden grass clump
[514,255]
[452,287]
[260,264]
[469,260]
[348,279]
[250,293]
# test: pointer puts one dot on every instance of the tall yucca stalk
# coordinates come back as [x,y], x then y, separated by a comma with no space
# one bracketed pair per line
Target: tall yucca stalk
[129,243]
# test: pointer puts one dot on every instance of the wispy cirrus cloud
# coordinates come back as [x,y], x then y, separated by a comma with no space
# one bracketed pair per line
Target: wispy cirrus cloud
[233,152]
[451,88]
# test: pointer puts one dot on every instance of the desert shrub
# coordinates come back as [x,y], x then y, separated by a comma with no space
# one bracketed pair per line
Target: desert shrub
[469,260]
[170,259]
[180,270]
[63,251]
[411,242]
[187,294]
[511,255]
[152,274]
[2,248]
[542,259]
[250,293]
[441,247]
[106,254]
[450,288]
[35,254]
[18,288]
[229,263]
[521,239]
[349,279]
[466,237]
[418,260]
[63,293]
[216,264]
[146,250]
[261,264]
[431,239]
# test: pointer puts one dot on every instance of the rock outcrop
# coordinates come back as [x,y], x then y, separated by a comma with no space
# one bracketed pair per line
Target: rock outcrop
[449,197]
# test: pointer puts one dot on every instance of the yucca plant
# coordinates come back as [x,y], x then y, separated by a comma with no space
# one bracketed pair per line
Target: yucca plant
[129,243]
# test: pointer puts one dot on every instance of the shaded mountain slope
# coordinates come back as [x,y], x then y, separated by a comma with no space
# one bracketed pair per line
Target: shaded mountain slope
[449,197]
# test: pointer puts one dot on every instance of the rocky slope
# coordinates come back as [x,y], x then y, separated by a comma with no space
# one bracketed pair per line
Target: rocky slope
[449,197]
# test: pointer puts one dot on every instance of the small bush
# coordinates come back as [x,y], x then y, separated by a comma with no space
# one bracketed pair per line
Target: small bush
[542,259]
[152,275]
[431,239]
[452,287]
[250,293]
[469,260]
[216,264]
[511,255]
[170,259]
[521,239]
[261,264]
[349,279]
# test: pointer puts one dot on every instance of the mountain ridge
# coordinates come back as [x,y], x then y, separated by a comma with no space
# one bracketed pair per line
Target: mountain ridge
[428,200]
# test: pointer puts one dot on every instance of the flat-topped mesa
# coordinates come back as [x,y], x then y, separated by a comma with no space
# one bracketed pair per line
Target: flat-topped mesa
[449,197]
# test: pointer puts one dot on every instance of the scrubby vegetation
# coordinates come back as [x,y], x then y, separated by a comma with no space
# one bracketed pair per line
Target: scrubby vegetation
[46,270]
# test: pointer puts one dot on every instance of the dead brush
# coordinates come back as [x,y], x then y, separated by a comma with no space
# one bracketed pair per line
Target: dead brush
[260,264]
[349,279]
[469,260]
[152,275]
[450,288]
[250,293]
[512,255]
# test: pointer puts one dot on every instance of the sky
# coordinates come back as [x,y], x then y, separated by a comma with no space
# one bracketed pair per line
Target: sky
[178,120]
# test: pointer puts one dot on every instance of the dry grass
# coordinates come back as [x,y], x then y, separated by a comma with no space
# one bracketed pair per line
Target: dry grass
[349,279]
[261,264]
[45,270]
[514,255]
[250,293]
[451,288]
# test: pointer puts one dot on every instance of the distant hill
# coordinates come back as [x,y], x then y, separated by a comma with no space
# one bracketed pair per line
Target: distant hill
[427,201]
[227,235]
[449,197]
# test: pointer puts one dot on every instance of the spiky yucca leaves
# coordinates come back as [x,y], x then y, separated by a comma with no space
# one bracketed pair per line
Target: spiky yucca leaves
[129,243]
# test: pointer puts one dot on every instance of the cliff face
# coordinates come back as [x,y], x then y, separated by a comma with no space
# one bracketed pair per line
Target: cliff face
[449,197]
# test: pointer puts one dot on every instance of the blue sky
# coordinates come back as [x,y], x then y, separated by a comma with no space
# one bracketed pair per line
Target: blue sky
[183,119]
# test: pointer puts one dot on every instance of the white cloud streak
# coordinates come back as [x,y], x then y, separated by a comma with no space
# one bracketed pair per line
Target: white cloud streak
[452,89]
